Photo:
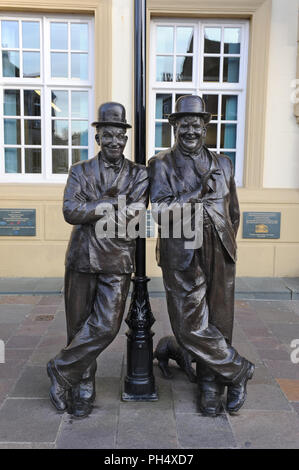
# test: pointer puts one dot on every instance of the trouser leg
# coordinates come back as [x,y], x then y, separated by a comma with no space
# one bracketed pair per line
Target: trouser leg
[79,295]
[189,316]
[219,271]
[98,330]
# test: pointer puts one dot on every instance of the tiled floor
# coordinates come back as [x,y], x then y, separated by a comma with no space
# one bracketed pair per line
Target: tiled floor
[33,328]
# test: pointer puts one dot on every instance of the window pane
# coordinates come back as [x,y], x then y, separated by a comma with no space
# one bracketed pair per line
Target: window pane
[31,102]
[184,69]
[229,108]
[79,37]
[232,42]
[164,39]
[212,40]
[80,133]
[231,69]
[211,69]
[164,72]
[31,64]
[12,131]
[10,34]
[60,132]
[12,102]
[59,64]
[80,104]
[13,161]
[212,105]
[30,36]
[59,36]
[228,136]
[211,139]
[60,103]
[163,105]
[184,40]
[32,129]
[79,154]
[80,66]
[10,64]
[33,161]
[60,163]
[162,134]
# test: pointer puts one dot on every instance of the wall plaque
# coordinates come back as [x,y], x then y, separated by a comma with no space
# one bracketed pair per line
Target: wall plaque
[18,222]
[261,224]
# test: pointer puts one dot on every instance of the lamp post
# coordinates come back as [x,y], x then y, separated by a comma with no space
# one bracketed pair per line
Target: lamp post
[139,384]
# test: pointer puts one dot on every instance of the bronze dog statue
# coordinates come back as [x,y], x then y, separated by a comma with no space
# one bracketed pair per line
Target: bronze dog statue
[168,348]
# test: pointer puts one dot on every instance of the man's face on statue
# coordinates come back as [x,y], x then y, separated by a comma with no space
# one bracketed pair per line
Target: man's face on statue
[190,133]
[112,140]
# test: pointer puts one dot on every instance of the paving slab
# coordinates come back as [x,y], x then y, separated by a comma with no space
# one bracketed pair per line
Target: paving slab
[33,383]
[256,429]
[265,397]
[143,427]
[28,420]
[98,431]
[200,432]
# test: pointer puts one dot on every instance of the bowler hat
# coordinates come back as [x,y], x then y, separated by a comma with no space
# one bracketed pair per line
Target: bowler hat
[111,114]
[190,104]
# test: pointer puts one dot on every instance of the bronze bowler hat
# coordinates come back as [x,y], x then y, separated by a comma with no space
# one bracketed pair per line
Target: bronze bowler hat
[190,104]
[111,114]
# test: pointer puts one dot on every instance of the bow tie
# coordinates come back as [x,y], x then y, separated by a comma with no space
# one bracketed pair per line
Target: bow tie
[115,166]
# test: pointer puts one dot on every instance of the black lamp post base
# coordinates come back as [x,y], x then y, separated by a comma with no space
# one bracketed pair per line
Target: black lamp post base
[139,383]
[133,397]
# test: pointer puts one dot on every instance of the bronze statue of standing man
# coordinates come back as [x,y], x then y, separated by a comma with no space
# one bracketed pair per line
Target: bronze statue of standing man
[199,280]
[98,269]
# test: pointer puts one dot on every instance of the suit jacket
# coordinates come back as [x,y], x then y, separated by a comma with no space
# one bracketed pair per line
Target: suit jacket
[83,192]
[168,185]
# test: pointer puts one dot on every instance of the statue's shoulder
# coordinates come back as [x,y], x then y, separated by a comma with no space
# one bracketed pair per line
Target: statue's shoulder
[136,168]
[224,162]
[161,158]
[83,166]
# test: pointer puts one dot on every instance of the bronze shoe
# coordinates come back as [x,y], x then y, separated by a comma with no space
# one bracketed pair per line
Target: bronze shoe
[81,409]
[58,392]
[237,393]
[210,403]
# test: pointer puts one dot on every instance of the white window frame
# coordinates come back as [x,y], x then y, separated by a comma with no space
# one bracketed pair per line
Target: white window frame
[198,86]
[45,83]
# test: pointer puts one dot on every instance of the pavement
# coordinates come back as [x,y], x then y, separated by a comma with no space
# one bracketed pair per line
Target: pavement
[32,325]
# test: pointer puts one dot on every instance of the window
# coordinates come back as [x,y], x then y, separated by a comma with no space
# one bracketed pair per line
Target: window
[207,58]
[46,80]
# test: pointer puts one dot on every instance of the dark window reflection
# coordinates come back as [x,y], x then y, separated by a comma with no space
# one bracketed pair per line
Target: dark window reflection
[31,103]
[212,105]
[60,161]
[211,69]
[211,139]
[33,161]
[32,129]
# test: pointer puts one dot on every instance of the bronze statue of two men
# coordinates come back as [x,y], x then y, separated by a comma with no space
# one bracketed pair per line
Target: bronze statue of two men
[198,276]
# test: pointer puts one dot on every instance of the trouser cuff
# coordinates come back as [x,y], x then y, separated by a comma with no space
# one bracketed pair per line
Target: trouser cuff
[60,378]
